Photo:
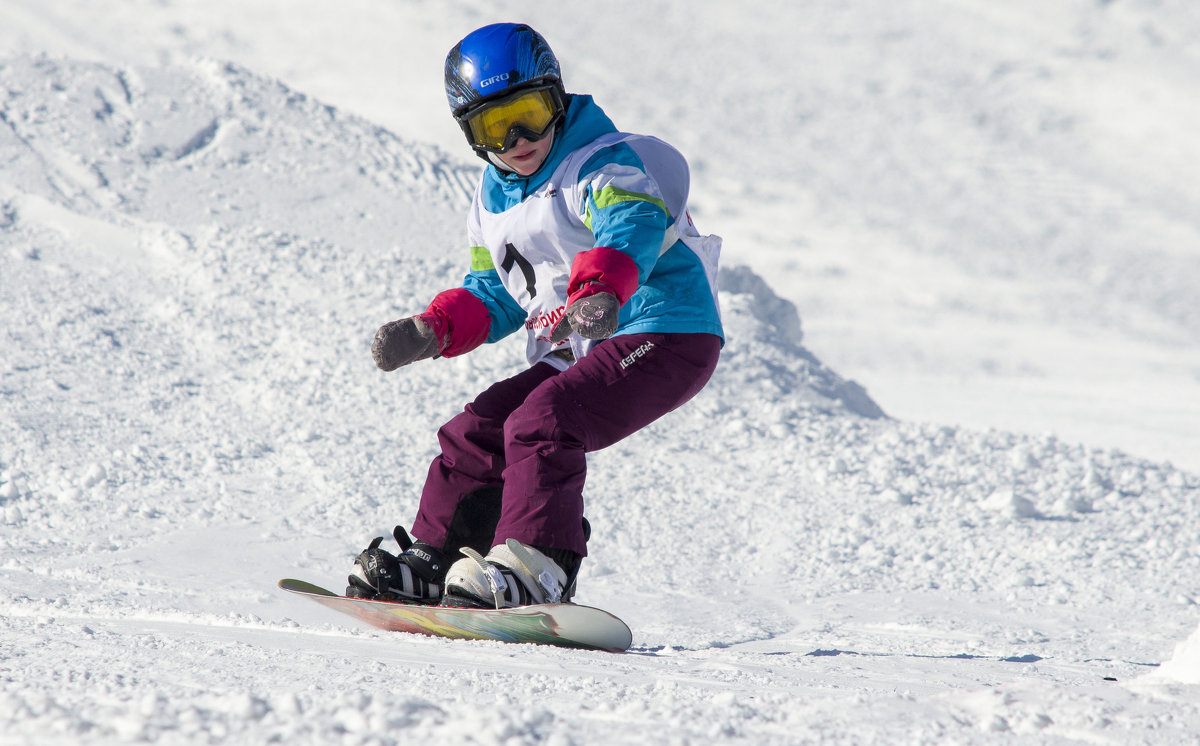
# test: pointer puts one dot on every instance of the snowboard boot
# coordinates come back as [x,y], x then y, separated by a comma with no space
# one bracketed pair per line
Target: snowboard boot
[512,574]
[413,577]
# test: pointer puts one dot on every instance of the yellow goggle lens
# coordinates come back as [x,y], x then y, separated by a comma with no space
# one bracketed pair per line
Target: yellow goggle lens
[532,111]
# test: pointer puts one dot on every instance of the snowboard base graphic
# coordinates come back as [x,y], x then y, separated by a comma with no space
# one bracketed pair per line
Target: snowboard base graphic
[565,625]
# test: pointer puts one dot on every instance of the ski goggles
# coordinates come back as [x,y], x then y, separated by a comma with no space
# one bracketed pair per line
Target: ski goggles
[497,125]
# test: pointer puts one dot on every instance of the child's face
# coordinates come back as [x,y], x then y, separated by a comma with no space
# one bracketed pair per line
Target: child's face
[526,157]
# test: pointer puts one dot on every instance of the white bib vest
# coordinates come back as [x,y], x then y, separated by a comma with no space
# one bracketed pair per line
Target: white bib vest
[533,244]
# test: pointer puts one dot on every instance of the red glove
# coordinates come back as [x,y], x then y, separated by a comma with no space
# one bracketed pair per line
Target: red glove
[456,322]
[404,341]
[602,279]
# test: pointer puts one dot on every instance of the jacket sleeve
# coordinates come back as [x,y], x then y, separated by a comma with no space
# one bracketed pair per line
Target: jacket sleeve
[459,321]
[505,315]
[624,209]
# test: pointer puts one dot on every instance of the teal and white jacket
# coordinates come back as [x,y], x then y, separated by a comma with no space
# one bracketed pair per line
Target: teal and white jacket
[606,207]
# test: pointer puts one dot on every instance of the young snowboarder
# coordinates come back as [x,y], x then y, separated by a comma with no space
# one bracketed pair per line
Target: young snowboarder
[580,234]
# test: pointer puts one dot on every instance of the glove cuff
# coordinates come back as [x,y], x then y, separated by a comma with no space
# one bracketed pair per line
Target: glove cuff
[460,321]
[589,289]
[614,270]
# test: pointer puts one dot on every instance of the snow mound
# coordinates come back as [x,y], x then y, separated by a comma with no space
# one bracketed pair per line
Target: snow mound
[1183,667]
[764,352]
[92,149]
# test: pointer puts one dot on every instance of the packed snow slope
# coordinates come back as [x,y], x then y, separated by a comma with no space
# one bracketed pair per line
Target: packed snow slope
[985,211]
[194,259]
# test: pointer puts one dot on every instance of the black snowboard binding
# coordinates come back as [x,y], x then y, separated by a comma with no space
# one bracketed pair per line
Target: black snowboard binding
[413,577]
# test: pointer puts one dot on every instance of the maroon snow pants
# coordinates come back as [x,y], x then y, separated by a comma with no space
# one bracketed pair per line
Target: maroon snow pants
[525,439]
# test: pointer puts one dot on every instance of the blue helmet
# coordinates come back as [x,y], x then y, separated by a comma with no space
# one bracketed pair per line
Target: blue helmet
[495,60]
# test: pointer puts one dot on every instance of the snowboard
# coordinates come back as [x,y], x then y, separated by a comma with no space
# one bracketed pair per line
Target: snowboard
[565,625]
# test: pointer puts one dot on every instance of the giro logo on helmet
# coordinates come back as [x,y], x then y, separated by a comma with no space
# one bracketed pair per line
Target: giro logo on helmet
[493,80]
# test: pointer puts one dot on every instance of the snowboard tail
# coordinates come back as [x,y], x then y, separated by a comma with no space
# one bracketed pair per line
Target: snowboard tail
[564,625]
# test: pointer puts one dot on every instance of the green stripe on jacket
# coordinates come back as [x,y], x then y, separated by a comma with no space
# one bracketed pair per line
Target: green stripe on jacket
[481,259]
[611,195]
